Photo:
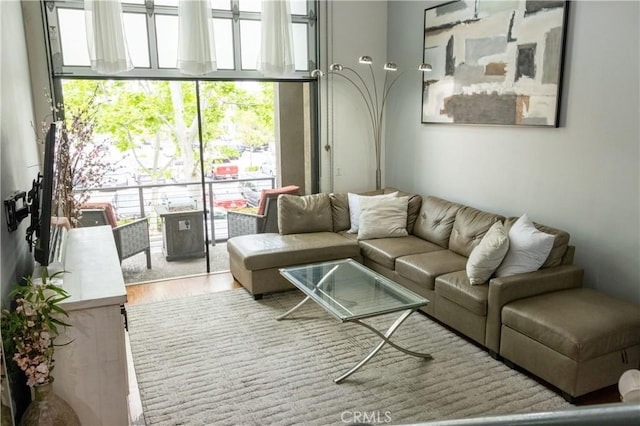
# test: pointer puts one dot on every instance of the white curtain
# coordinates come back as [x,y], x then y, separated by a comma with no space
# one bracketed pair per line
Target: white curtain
[276,49]
[106,40]
[196,47]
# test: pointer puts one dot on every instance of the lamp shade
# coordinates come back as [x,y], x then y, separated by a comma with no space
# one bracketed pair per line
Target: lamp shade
[629,386]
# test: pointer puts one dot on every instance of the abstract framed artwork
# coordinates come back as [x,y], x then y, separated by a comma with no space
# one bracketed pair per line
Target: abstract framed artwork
[494,62]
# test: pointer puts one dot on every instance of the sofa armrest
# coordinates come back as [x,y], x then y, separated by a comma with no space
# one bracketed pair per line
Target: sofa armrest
[503,290]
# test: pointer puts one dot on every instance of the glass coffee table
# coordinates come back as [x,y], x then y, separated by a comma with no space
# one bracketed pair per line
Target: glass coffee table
[351,292]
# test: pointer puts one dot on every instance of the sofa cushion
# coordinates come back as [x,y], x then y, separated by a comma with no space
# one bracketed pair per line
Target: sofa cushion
[469,228]
[307,213]
[487,256]
[435,220]
[385,250]
[424,268]
[528,248]
[266,251]
[383,217]
[354,207]
[415,203]
[580,323]
[340,211]
[560,244]
[457,288]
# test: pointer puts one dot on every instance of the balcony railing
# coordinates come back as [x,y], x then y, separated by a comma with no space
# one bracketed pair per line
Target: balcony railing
[131,202]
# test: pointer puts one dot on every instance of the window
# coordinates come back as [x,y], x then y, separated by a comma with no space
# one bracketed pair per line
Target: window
[151,29]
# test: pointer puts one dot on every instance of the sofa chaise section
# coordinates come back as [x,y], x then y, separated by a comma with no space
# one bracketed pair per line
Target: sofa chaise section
[255,260]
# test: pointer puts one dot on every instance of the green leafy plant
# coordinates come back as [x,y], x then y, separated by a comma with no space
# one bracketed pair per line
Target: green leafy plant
[31,327]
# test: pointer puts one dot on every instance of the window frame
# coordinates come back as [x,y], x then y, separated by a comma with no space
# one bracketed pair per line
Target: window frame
[154,71]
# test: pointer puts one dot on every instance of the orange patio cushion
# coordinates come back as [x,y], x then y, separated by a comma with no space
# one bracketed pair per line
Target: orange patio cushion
[273,193]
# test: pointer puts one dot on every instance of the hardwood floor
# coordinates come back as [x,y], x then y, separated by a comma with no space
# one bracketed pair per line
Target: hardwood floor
[208,283]
[174,288]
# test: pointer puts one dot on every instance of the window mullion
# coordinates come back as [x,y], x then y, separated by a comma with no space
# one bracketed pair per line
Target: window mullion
[153,41]
[235,25]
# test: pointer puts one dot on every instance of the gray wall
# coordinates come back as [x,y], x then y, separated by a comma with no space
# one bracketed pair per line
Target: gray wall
[18,148]
[582,177]
[349,29]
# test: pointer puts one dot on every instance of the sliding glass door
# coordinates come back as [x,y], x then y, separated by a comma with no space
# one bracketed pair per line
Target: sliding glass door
[183,153]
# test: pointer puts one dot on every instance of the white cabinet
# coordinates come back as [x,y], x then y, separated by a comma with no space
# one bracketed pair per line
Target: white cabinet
[91,372]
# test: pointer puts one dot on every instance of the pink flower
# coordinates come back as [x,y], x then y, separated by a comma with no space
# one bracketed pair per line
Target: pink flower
[43,368]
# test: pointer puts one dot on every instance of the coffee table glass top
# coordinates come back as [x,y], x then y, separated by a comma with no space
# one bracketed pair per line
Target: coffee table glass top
[350,291]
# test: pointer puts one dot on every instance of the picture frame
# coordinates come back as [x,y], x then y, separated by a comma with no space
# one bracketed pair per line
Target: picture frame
[494,62]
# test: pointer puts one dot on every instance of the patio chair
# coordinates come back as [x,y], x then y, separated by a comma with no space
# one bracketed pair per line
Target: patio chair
[265,219]
[131,238]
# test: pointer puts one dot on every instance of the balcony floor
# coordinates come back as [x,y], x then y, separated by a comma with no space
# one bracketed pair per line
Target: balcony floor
[134,269]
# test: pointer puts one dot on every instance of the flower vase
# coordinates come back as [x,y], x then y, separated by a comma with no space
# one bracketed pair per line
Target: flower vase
[49,409]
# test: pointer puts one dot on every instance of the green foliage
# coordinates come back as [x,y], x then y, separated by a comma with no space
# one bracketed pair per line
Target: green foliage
[137,112]
[30,329]
[226,151]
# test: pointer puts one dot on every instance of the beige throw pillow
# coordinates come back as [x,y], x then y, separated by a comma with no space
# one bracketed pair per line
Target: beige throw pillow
[528,248]
[354,207]
[487,256]
[383,217]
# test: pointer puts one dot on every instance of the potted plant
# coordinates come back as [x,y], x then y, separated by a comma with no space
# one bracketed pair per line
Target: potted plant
[29,331]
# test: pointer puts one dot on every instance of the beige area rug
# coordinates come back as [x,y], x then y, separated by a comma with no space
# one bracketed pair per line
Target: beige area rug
[222,359]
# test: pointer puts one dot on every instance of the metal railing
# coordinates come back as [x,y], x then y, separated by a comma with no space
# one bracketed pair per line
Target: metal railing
[135,201]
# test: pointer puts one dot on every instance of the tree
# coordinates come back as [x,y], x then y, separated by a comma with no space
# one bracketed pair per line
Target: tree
[149,112]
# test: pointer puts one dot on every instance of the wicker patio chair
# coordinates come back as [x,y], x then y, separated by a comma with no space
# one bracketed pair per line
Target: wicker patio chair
[131,238]
[266,217]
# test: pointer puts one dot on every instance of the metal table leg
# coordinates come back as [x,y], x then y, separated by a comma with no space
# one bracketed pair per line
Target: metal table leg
[278,318]
[385,339]
[316,288]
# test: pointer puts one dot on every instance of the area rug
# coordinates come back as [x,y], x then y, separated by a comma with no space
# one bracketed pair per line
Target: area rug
[222,359]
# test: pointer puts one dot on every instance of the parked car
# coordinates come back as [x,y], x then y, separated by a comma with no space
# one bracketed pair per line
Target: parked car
[268,167]
[116,177]
[179,201]
[223,168]
[250,193]
[219,213]
[147,179]
[127,204]
[229,200]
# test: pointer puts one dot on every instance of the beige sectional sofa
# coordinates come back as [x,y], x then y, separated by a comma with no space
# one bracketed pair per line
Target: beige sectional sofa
[430,260]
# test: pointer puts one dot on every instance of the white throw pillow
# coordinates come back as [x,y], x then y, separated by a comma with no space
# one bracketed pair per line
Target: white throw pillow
[528,248]
[383,217]
[487,256]
[354,207]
